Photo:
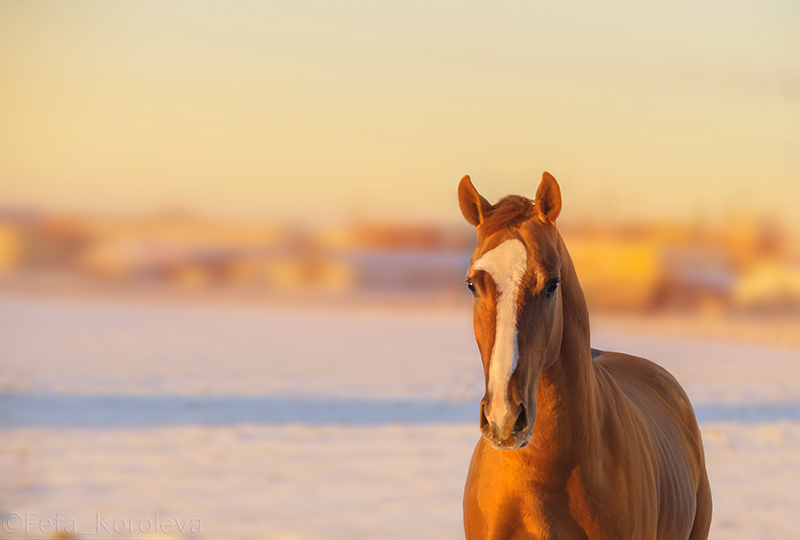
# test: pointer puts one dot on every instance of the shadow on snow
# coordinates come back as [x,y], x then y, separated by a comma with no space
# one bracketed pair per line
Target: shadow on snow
[110,411]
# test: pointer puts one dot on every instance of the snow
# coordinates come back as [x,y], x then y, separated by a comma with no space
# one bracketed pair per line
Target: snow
[288,423]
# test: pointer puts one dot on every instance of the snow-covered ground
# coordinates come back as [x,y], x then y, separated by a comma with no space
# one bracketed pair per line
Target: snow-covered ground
[278,423]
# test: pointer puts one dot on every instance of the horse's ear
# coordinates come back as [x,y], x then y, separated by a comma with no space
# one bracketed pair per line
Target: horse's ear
[548,198]
[473,205]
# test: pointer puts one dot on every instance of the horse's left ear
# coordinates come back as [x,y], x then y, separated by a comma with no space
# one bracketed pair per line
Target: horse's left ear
[548,198]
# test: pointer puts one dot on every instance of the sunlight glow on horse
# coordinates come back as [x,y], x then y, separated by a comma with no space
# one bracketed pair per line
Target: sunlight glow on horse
[577,443]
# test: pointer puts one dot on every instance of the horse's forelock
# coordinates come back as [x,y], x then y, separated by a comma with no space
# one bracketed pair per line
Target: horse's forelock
[509,212]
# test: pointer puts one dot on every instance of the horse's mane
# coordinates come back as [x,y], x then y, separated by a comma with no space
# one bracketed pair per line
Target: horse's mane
[509,212]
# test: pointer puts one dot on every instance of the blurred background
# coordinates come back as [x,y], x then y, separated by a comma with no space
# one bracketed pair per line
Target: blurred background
[231,254]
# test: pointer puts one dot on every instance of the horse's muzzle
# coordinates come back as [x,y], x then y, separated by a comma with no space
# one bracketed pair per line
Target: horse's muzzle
[513,432]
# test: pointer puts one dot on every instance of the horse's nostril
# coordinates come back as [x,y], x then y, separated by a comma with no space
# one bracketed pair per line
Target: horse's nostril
[483,421]
[522,419]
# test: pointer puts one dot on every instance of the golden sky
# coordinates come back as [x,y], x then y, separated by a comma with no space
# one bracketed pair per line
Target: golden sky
[319,110]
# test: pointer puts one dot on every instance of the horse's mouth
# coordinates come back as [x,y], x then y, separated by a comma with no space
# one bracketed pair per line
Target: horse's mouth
[515,441]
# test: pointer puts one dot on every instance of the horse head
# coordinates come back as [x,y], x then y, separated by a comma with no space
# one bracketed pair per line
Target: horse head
[515,277]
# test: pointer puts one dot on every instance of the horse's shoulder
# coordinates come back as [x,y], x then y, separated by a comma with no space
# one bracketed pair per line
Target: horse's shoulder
[667,414]
[653,390]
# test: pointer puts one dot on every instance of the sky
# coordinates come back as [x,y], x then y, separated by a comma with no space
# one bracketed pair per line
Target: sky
[320,111]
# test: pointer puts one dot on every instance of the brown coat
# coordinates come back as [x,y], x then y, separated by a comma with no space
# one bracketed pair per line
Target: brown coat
[600,449]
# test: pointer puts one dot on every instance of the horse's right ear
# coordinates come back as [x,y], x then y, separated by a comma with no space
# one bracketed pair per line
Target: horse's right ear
[473,205]
[548,198]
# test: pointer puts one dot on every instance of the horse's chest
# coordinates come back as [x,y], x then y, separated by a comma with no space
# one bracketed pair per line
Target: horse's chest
[519,515]
[501,503]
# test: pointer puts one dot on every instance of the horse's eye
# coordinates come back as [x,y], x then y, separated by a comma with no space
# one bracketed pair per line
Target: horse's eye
[471,286]
[551,288]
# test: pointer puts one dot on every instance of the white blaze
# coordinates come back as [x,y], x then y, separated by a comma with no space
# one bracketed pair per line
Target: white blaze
[506,264]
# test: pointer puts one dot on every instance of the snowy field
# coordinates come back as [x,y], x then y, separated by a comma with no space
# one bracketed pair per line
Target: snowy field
[244,423]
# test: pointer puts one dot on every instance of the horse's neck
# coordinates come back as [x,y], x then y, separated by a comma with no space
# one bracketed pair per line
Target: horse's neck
[566,395]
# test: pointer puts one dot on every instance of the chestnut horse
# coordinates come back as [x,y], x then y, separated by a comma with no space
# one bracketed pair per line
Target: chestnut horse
[577,443]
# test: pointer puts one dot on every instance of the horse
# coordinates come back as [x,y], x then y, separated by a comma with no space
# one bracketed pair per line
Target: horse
[575,442]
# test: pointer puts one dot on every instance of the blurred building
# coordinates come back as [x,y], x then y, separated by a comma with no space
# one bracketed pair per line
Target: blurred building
[746,266]
[654,268]
[10,248]
[31,240]
[398,257]
[768,287]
